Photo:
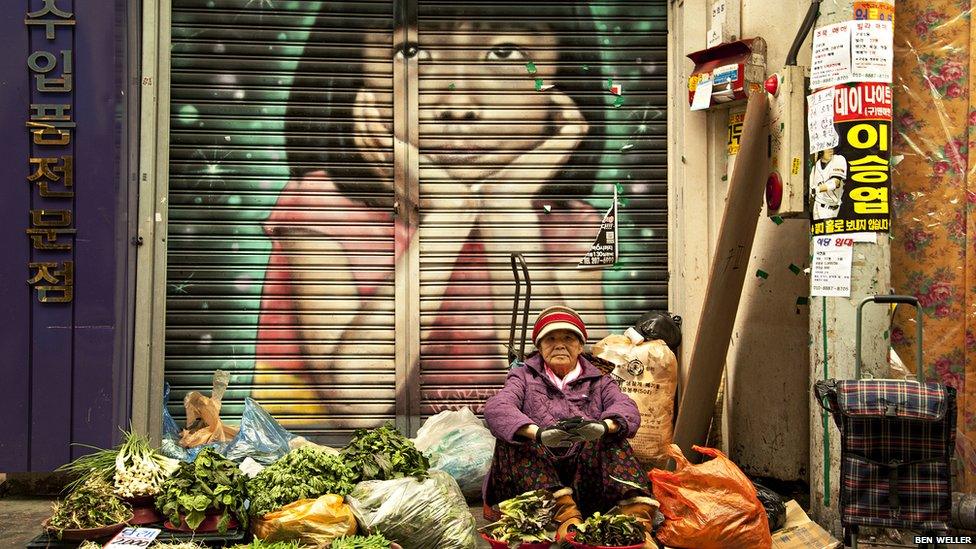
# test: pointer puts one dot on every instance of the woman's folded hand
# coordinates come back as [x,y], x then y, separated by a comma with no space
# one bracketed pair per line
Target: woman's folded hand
[591,430]
[554,437]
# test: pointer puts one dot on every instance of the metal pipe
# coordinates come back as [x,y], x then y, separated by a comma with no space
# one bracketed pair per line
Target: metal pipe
[812,13]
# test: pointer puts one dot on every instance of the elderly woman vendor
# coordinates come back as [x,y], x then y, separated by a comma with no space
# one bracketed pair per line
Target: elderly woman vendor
[574,460]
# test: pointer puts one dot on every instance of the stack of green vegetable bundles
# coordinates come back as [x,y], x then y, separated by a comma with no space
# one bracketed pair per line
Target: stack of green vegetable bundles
[307,472]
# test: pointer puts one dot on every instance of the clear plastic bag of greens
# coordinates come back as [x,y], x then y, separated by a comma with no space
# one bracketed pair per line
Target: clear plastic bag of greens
[458,443]
[419,514]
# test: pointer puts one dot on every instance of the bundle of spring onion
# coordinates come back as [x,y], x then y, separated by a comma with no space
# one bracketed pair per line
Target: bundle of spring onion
[134,468]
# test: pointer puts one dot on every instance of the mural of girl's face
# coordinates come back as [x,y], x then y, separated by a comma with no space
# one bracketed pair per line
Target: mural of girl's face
[479,107]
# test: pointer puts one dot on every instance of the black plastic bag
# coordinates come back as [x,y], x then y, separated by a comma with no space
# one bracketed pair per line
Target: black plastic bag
[774,505]
[660,325]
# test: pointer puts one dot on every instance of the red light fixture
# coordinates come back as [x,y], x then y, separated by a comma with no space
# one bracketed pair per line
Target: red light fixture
[774,191]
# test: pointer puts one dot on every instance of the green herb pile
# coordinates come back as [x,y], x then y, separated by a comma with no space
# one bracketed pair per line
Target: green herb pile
[610,530]
[307,472]
[524,519]
[91,505]
[134,468]
[260,544]
[211,482]
[90,545]
[376,541]
[383,454]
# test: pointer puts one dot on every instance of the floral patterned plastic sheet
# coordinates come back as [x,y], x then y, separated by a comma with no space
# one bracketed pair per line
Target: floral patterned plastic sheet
[933,251]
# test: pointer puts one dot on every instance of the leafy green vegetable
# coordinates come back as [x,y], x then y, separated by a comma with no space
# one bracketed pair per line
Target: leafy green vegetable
[383,454]
[210,483]
[307,472]
[376,541]
[524,519]
[260,544]
[628,483]
[91,505]
[610,530]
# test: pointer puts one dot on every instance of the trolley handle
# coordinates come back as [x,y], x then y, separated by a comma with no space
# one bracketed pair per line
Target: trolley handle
[890,300]
[512,353]
[519,261]
[896,299]
[528,305]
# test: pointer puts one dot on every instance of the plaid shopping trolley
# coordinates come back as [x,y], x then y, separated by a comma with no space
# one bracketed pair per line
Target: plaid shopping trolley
[897,439]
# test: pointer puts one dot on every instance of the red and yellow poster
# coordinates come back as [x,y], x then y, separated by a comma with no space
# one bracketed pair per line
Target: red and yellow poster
[850,183]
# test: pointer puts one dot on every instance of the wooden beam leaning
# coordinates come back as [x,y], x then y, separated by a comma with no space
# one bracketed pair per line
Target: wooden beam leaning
[726,276]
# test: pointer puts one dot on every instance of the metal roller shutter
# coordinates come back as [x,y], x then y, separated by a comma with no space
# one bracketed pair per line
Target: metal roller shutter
[521,143]
[271,241]
[347,180]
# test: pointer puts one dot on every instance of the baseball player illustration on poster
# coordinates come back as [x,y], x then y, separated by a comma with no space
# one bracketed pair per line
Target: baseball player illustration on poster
[827,184]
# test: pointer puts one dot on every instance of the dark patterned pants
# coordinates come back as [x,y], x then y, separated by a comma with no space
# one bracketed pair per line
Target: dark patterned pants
[587,468]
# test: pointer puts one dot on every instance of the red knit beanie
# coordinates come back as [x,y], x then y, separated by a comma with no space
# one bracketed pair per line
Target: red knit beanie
[558,318]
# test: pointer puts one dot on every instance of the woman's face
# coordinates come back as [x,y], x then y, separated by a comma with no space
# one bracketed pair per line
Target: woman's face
[561,350]
[479,108]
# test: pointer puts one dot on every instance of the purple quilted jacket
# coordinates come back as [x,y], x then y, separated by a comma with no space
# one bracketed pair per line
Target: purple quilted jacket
[530,397]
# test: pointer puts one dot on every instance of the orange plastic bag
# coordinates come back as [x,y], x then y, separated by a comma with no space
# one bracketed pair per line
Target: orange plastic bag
[309,521]
[711,505]
[203,424]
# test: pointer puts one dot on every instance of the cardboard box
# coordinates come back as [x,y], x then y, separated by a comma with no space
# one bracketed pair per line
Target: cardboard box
[802,533]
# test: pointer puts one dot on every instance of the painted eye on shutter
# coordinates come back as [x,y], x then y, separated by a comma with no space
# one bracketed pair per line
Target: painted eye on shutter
[505,52]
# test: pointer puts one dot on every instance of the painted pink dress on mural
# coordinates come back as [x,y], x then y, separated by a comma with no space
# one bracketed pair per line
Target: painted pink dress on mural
[315,207]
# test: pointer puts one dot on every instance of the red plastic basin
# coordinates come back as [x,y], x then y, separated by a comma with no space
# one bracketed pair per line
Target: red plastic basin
[495,544]
[572,536]
[209,524]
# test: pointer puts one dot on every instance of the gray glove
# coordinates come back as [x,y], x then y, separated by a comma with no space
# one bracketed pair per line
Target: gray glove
[591,430]
[554,437]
